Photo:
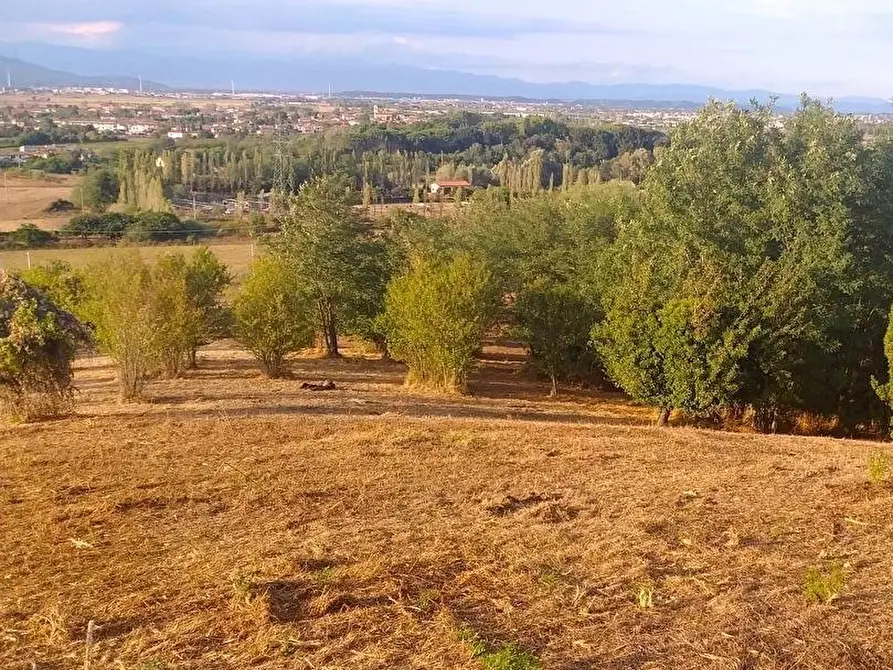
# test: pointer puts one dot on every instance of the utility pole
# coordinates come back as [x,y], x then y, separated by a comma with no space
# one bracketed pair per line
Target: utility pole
[194,210]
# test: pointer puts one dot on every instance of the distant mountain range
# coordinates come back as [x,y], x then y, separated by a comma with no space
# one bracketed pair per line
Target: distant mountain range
[28,75]
[121,68]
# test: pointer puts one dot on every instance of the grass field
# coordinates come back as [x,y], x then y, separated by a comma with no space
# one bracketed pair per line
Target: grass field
[25,200]
[236,522]
[237,255]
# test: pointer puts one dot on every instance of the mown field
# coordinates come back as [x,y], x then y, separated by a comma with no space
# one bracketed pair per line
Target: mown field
[25,200]
[236,522]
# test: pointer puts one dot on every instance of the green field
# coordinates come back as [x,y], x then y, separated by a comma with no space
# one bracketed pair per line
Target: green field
[236,256]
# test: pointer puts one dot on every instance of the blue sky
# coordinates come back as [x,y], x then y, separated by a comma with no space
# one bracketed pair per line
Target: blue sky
[827,47]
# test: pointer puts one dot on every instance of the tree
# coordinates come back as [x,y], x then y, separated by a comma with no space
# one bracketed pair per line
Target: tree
[757,273]
[273,314]
[38,341]
[436,316]
[206,280]
[332,252]
[555,322]
[99,190]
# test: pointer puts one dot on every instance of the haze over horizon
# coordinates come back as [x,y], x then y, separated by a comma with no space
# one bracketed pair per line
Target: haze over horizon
[823,46]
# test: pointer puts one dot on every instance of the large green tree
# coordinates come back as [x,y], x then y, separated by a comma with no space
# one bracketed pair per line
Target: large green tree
[335,255]
[758,273]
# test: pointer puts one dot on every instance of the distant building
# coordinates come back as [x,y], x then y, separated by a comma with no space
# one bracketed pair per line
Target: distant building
[449,186]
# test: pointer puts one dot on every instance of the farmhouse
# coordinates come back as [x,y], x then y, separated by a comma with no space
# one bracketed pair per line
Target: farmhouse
[449,186]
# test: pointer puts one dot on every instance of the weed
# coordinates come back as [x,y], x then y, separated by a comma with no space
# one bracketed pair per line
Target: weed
[325,576]
[878,467]
[427,600]
[824,586]
[244,586]
[152,664]
[549,576]
[645,595]
[506,657]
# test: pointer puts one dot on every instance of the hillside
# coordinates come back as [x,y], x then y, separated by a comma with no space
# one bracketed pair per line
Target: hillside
[29,75]
[237,522]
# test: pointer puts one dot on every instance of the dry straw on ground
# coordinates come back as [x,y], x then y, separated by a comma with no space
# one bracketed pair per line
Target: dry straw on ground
[237,522]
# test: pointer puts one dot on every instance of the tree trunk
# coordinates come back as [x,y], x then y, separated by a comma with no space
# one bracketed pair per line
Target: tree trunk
[663,420]
[554,392]
[328,328]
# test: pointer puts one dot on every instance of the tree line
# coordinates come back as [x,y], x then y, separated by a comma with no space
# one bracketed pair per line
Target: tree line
[392,164]
[748,279]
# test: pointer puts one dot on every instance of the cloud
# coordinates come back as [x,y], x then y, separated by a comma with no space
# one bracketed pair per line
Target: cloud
[91,30]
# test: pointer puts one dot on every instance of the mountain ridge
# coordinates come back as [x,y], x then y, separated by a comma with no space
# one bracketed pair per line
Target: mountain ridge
[314,74]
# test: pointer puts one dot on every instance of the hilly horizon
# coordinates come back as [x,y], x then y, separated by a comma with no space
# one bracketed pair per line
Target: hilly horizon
[36,65]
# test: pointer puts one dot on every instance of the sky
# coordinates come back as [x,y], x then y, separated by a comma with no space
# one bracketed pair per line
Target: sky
[825,47]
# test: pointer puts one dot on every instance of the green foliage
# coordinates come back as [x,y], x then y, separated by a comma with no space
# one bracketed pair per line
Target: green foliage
[555,321]
[824,586]
[436,315]
[879,464]
[754,274]
[273,314]
[64,285]
[206,280]
[340,265]
[161,227]
[99,190]
[177,322]
[120,307]
[38,341]
[29,236]
[506,657]
[111,225]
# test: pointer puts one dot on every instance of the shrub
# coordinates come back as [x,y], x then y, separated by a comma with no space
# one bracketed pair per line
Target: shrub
[120,307]
[38,341]
[29,236]
[111,225]
[162,227]
[176,320]
[63,284]
[60,206]
[435,317]
[273,315]
[555,323]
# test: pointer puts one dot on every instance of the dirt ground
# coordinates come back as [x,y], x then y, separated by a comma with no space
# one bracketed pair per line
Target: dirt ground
[236,522]
[25,200]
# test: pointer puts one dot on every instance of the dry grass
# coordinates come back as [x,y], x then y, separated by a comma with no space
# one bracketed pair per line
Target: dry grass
[26,200]
[236,256]
[237,522]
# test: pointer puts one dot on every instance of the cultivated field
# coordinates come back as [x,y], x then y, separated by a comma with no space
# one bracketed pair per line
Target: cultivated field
[236,256]
[24,200]
[236,522]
